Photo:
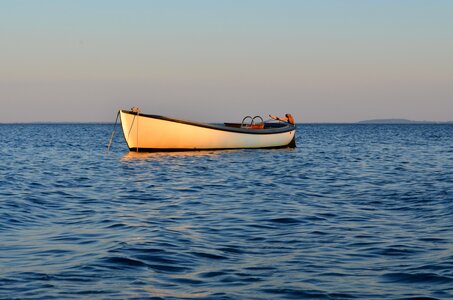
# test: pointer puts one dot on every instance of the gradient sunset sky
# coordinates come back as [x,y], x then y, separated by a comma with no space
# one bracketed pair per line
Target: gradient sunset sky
[322,61]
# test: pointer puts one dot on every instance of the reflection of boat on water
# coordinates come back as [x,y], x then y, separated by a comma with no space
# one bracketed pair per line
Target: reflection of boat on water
[152,133]
[137,156]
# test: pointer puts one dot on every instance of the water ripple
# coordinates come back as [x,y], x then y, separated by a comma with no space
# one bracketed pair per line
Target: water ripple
[356,212]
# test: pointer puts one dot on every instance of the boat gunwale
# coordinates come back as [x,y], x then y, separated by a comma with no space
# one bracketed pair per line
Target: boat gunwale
[285,128]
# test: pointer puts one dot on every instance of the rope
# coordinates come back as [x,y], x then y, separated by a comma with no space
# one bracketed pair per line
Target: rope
[138,114]
[113,132]
[130,129]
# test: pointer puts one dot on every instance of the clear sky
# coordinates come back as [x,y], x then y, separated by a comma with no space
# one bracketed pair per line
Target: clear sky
[323,61]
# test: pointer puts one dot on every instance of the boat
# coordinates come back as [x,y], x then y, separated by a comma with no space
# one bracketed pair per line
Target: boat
[155,133]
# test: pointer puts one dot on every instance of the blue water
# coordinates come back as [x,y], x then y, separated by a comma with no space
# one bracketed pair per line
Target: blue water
[355,212]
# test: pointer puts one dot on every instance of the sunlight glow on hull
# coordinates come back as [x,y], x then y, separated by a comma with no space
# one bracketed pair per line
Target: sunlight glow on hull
[153,133]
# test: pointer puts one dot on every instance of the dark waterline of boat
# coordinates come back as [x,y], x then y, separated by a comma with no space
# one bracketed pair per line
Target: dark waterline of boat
[355,212]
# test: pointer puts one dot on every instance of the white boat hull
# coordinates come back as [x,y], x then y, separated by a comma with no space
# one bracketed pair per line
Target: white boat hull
[157,133]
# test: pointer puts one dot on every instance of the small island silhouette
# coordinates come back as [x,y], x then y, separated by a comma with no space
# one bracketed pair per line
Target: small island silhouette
[400,121]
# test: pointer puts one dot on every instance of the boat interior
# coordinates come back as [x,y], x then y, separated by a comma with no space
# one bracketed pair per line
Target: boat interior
[256,122]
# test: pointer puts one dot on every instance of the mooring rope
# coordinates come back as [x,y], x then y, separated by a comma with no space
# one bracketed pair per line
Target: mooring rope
[130,128]
[113,131]
[135,110]
[138,115]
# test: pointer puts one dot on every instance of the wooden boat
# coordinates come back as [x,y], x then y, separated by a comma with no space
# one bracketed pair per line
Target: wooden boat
[152,133]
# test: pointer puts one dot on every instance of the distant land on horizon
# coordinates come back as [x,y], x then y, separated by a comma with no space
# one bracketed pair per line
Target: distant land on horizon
[401,121]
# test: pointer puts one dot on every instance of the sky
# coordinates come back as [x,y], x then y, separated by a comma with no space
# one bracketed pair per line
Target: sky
[214,61]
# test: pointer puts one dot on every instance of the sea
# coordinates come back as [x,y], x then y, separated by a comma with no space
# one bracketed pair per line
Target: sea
[356,211]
